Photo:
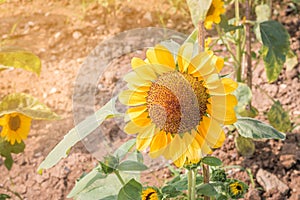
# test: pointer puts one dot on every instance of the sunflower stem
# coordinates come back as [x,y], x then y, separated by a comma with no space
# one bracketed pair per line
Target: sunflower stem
[238,44]
[205,169]
[119,177]
[191,184]
[201,36]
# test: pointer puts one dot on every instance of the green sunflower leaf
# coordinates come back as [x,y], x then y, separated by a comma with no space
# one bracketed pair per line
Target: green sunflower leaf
[245,146]
[279,118]
[207,190]
[291,60]
[131,191]
[27,105]
[19,58]
[244,96]
[4,196]
[276,45]
[263,13]
[6,149]
[124,149]
[224,24]
[211,161]
[86,181]
[79,132]
[198,10]
[130,165]
[252,128]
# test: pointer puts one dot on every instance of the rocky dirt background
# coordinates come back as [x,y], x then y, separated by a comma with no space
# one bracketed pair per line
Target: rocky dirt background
[63,33]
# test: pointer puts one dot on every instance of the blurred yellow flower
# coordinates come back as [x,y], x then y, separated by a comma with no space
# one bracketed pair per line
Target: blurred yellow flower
[149,194]
[213,14]
[177,103]
[14,127]
[236,189]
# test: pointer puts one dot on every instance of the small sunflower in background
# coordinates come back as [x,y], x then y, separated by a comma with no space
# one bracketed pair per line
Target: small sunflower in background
[177,103]
[150,194]
[236,189]
[14,127]
[213,14]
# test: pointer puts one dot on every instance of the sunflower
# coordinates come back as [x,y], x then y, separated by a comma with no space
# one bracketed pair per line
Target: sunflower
[237,189]
[149,194]
[14,127]
[213,15]
[177,103]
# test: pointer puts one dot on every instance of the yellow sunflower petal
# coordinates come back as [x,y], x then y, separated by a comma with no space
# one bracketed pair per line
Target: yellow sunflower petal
[164,56]
[179,162]
[158,144]
[132,98]
[146,73]
[134,112]
[185,54]
[144,138]
[201,65]
[161,69]
[133,78]
[221,108]
[211,131]
[226,86]
[4,131]
[131,128]
[137,62]
[151,57]
[218,62]
[142,120]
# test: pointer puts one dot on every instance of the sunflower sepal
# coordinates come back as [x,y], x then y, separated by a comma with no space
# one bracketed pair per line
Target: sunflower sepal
[191,166]
[110,164]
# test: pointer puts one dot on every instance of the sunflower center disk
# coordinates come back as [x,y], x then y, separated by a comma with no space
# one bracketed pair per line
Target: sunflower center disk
[177,102]
[14,123]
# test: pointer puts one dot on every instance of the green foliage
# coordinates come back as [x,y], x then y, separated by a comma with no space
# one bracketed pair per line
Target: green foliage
[131,191]
[218,175]
[198,10]
[263,13]
[291,60]
[245,146]
[211,161]
[110,164]
[124,149]
[86,181]
[19,58]
[27,105]
[252,128]
[244,96]
[276,45]
[130,165]
[79,132]
[207,190]
[224,24]
[4,196]
[279,118]
[192,38]
[6,149]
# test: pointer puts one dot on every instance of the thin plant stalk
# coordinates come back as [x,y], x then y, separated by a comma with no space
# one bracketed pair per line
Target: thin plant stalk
[248,46]
[238,44]
[119,177]
[205,169]
[201,44]
[191,184]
